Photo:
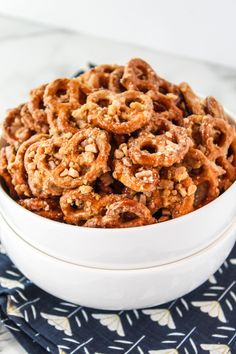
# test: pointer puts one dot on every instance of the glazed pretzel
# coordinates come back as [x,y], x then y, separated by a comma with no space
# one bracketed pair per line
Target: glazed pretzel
[192,124]
[85,157]
[118,113]
[152,200]
[228,163]
[228,175]
[38,121]
[177,191]
[80,205]
[64,122]
[165,105]
[115,84]
[102,77]
[139,76]
[212,136]
[14,130]
[193,102]
[4,173]
[214,108]
[165,149]
[217,135]
[124,213]
[137,177]
[204,174]
[166,87]
[40,159]
[64,94]
[49,208]
[17,168]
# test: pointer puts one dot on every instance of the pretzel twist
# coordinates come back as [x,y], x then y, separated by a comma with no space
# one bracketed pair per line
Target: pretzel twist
[166,146]
[204,174]
[4,172]
[15,131]
[139,76]
[82,204]
[212,136]
[48,208]
[17,167]
[102,77]
[193,102]
[85,157]
[121,113]
[136,177]
[228,164]
[38,121]
[64,94]
[124,213]
[38,167]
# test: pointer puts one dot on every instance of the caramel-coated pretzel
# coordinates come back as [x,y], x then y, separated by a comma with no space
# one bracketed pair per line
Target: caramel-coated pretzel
[204,174]
[39,120]
[165,105]
[228,163]
[64,93]
[214,108]
[85,157]
[193,102]
[121,113]
[40,158]
[78,207]
[139,76]
[152,200]
[177,191]
[17,166]
[48,208]
[4,172]
[102,77]
[167,145]
[14,129]
[137,177]
[82,204]
[124,213]
[212,136]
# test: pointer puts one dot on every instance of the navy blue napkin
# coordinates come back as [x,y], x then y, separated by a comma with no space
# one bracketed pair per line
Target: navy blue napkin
[203,321]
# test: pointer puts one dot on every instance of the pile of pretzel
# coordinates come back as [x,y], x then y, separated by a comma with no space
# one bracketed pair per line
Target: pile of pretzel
[118,146]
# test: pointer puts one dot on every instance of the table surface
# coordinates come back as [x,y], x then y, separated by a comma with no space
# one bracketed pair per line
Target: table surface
[31,54]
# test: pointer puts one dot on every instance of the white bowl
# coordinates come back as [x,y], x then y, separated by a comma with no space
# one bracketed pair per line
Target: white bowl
[132,248]
[116,289]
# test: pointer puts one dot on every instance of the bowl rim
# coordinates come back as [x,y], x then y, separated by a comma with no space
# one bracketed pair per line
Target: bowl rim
[180,219]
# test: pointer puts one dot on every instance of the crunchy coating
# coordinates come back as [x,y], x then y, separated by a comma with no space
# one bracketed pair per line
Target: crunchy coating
[15,131]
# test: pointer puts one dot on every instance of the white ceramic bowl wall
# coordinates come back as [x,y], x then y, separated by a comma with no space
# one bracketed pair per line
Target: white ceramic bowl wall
[116,289]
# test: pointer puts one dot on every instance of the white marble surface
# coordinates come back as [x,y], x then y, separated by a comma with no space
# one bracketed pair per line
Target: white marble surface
[36,54]
[200,29]
[31,54]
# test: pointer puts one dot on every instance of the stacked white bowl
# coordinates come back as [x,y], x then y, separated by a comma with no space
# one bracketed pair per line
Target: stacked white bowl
[120,268]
